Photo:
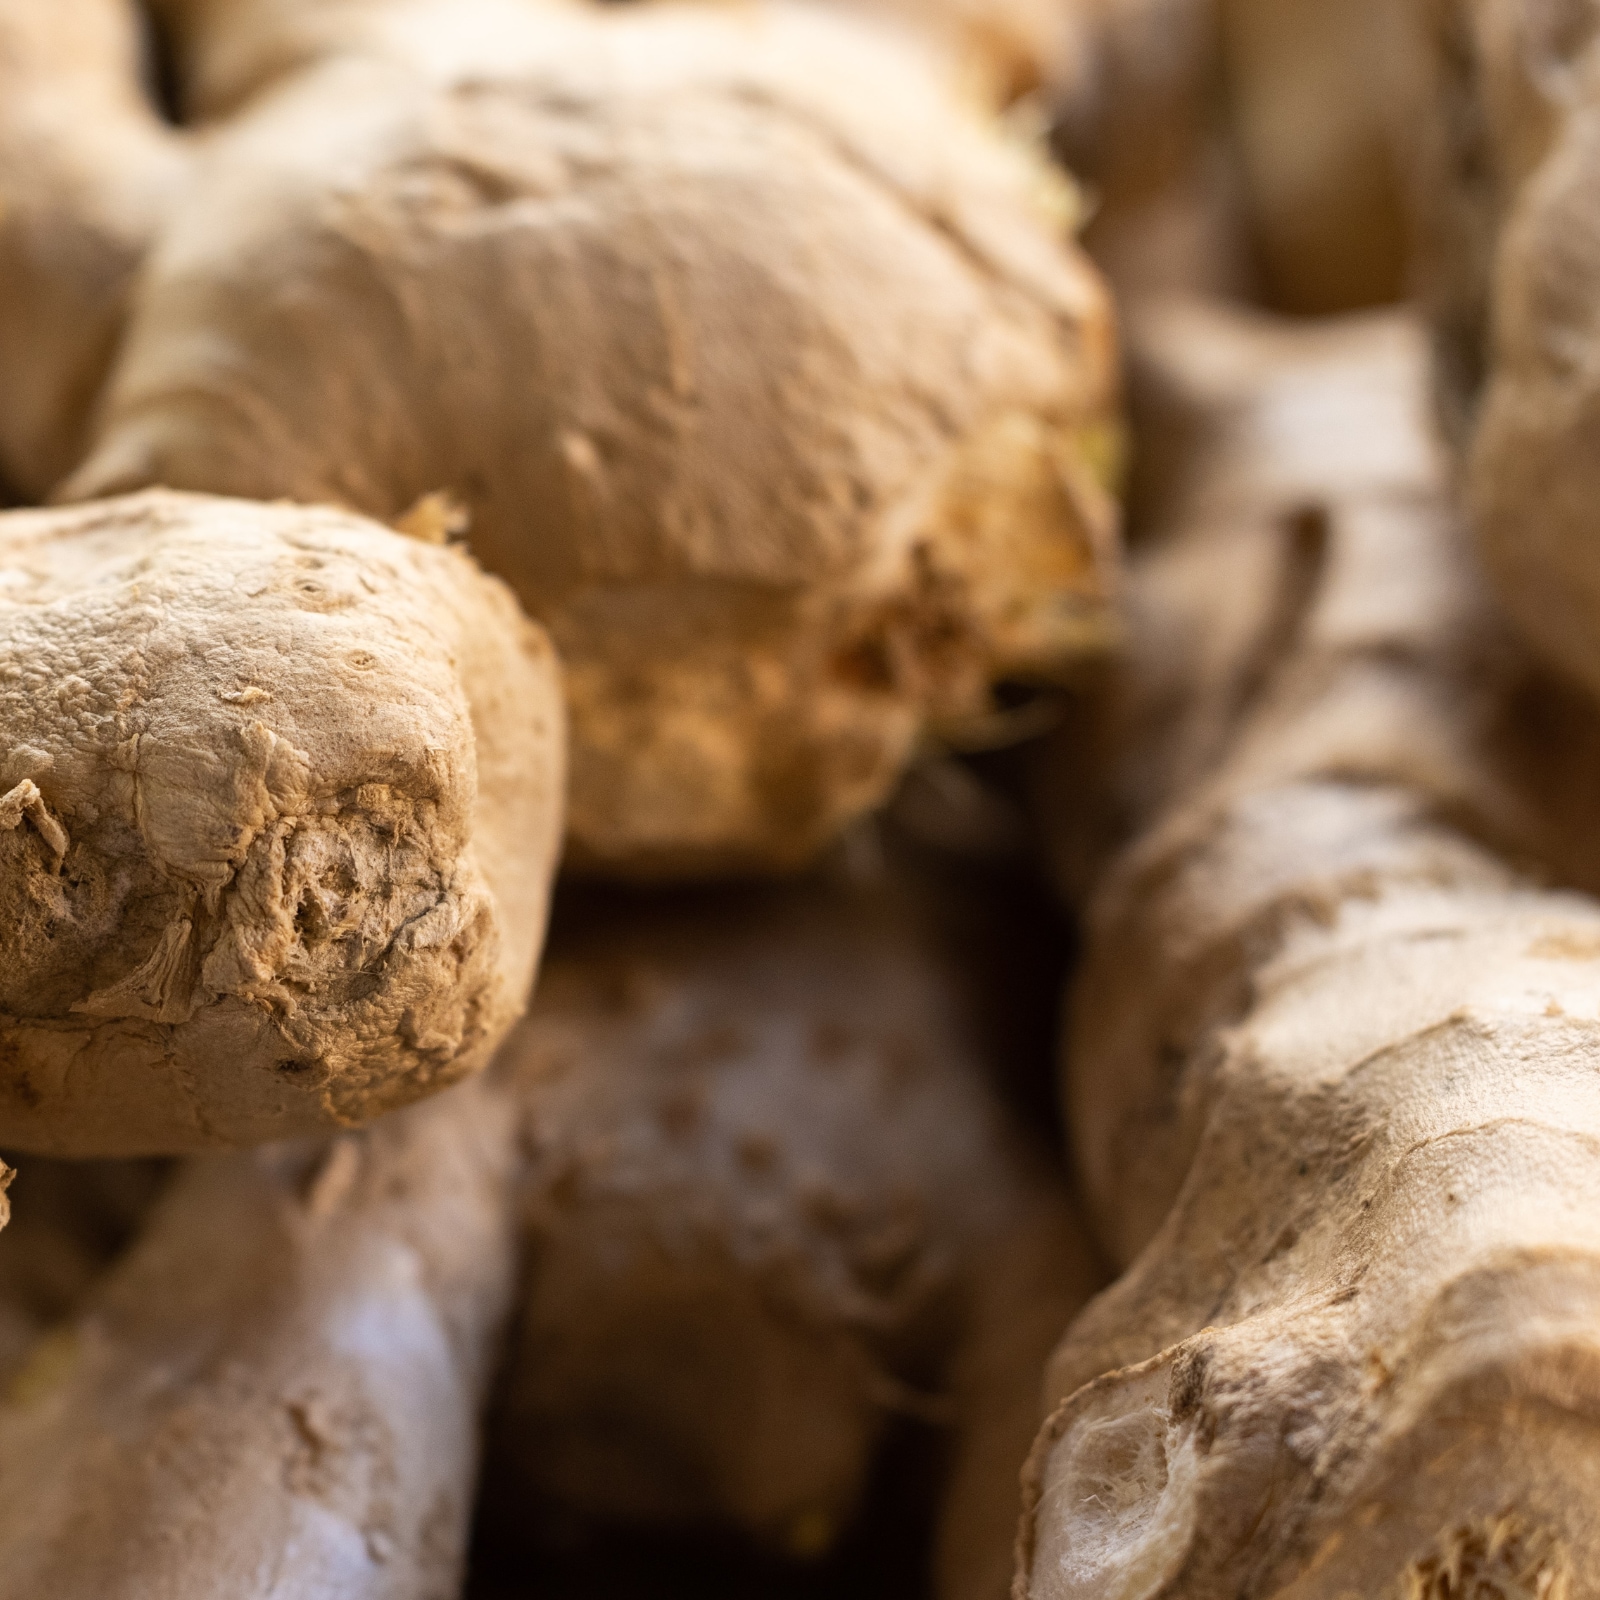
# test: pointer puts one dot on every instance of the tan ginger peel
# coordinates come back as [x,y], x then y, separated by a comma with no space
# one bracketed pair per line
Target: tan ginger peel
[1505,185]
[1331,1067]
[775,1203]
[770,1203]
[277,1389]
[763,372]
[280,793]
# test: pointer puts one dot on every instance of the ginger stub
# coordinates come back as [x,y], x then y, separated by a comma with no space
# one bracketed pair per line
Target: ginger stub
[774,1201]
[1331,1063]
[280,794]
[760,368]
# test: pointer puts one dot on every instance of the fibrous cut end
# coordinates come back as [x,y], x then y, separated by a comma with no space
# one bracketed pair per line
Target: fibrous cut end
[279,793]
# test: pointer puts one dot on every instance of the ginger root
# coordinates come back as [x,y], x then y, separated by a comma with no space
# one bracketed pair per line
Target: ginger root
[87,171]
[769,1201]
[280,794]
[1330,1068]
[774,1202]
[758,368]
[1507,200]
[276,1391]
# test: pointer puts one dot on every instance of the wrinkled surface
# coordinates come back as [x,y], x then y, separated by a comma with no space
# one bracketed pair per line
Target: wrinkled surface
[762,371]
[276,1391]
[1332,1061]
[279,796]
[773,1202]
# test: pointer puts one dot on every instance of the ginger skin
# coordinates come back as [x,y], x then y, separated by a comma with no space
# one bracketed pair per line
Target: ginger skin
[280,793]
[773,1202]
[999,50]
[1134,116]
[1308,114]
[1329,1068]
[276,1391]
[760,369]
[768,1200]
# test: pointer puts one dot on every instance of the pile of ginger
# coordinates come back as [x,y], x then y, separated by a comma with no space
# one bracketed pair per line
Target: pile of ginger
[796,798]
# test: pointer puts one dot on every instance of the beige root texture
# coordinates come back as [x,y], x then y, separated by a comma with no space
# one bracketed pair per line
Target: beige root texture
[769,1200]
[758,368]
[276,1391]
[1508,199]
[280,794]
[774,1202]
[87,172]
[1332,1064]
